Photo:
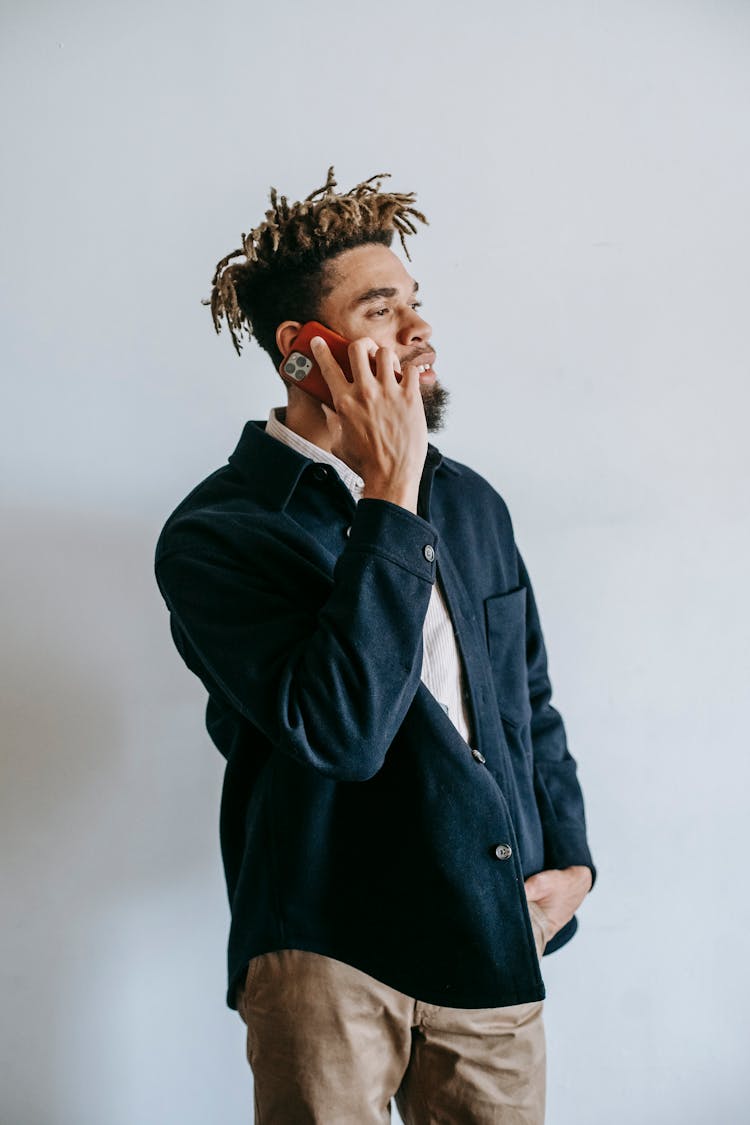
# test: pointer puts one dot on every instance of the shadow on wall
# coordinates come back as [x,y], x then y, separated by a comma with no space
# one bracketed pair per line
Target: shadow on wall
[109,801]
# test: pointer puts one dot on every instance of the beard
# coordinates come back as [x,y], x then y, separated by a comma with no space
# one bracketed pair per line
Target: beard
[435,402]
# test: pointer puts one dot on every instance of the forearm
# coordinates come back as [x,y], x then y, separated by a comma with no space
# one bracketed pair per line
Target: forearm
[557,789]
[326,669]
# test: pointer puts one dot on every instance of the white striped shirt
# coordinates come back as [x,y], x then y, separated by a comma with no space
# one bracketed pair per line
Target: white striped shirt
[442,673]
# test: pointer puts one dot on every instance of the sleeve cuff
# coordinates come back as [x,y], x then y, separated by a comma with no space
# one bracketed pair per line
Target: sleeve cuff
[385,529]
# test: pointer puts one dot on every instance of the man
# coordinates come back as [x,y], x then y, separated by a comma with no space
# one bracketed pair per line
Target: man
[402,829]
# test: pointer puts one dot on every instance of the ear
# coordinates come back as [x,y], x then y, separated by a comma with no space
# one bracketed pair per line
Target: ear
[286,334]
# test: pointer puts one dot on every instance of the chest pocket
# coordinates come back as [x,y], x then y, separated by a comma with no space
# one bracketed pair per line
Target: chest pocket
[505,619]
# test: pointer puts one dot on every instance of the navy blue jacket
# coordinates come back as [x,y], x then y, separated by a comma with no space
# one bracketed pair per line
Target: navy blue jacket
[355,820]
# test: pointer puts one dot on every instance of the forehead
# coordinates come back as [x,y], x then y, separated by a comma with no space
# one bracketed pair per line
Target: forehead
[366,267]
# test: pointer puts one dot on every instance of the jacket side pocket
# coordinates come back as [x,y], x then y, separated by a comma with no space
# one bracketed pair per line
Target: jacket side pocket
[505,619]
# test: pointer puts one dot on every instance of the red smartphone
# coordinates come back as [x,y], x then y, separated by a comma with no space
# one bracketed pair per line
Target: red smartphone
[300,365]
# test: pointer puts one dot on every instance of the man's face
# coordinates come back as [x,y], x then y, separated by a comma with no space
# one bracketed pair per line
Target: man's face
[372,294]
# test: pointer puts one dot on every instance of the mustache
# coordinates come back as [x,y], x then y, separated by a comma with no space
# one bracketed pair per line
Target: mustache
[415,355]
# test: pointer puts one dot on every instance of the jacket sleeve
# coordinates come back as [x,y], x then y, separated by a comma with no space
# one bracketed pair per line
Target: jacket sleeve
[325,670]
[558,793]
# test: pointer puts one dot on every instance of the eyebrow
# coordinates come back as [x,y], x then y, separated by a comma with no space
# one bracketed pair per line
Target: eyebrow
[373,294]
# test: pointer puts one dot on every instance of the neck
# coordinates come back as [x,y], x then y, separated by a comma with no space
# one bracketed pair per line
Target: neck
[310,419]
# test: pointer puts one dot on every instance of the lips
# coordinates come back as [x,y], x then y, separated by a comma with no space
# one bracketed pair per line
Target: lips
[423,362]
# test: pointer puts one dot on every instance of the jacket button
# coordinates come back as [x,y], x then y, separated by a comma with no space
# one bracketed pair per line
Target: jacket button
[429,552]
[348,532]
[478,756]
[320,472]
[503,851]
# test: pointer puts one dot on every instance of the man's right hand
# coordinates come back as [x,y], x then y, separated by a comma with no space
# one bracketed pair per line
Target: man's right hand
[381,426]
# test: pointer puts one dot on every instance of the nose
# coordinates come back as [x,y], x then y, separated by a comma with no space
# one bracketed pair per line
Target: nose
[413,329]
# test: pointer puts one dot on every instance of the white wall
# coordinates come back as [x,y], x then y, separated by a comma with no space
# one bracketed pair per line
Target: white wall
[585,167]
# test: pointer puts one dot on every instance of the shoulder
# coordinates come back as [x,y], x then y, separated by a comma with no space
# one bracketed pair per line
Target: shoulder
[466,491]
[237,501]
[202,505]
[218,517]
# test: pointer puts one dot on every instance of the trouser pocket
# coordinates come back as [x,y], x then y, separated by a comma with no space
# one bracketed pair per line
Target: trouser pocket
[252,971]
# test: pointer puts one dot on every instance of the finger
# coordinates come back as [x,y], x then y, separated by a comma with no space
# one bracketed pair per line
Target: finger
[329,368]
[534,886]
[410,377]
[360,352]
[387,363]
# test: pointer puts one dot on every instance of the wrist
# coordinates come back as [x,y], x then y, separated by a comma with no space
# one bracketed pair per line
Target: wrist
[403,497]
[582,873]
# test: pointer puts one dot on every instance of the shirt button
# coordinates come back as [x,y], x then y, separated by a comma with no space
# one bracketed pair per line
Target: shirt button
[479,757]
[503,851]
[429,552]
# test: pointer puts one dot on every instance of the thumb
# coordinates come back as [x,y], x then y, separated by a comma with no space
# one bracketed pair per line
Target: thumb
[534,887]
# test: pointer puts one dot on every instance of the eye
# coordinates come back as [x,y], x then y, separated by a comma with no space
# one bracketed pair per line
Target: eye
[416,304]
[379,312]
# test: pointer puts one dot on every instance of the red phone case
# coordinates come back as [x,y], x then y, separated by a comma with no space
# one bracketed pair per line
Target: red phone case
[300,364]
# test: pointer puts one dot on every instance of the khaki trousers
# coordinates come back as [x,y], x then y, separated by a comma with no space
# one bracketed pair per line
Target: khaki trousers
[330,1045]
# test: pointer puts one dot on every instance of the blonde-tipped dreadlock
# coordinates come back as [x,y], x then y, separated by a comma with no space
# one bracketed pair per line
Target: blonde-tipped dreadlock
[293,241]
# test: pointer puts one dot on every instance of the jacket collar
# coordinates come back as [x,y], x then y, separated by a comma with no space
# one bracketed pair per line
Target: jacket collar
[273,470]
[270,468]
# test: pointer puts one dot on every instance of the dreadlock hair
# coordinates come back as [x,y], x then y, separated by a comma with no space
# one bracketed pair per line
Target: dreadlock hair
[281,274]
